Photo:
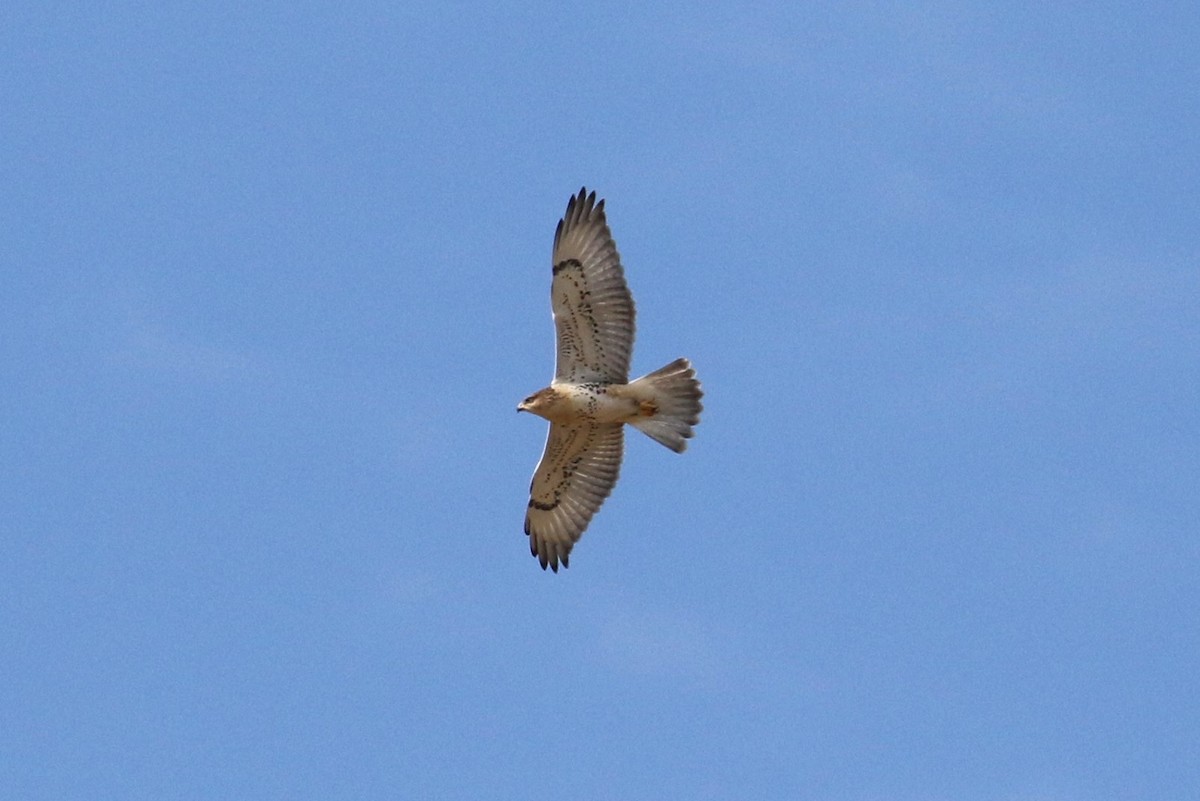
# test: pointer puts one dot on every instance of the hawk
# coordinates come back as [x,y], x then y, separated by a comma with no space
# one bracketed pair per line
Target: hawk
[591,397]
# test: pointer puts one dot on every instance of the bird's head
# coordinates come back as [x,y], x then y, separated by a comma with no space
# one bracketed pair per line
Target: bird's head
[538,402]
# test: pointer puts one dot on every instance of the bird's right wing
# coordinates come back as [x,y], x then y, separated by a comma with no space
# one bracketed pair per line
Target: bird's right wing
[577,472]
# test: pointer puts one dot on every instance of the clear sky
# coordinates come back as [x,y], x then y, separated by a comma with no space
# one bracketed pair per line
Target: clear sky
[275,276]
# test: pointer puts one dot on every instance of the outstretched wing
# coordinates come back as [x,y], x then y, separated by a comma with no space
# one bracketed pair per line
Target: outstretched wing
[578,470]
[593,310]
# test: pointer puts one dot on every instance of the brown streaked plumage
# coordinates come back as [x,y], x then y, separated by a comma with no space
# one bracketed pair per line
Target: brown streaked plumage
[591,398]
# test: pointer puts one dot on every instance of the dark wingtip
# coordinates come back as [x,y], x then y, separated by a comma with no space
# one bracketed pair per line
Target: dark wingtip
[548,561]
[544,560]
[577,201]
[580,205]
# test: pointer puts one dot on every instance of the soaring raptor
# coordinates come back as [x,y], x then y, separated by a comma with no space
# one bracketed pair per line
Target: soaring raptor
[591,396]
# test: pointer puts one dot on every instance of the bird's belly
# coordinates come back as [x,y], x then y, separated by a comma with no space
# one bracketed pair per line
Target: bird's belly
[597,405]
[611,409]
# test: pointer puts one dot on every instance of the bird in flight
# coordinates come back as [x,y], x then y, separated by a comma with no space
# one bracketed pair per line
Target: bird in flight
[591,397]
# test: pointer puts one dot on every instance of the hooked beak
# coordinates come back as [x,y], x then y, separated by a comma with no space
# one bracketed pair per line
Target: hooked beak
[521,406]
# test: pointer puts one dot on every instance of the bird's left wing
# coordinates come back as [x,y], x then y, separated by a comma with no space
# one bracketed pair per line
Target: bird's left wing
[593,310]
[578,470]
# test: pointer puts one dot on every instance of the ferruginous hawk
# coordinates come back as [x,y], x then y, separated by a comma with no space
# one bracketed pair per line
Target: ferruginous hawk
[591,396]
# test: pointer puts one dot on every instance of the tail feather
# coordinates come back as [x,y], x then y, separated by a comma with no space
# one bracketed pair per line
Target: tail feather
[671,400]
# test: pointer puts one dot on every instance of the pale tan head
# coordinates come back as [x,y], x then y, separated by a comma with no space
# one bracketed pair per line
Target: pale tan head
[544,402]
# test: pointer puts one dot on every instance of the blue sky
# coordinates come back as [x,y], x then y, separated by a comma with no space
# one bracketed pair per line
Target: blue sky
[276,276]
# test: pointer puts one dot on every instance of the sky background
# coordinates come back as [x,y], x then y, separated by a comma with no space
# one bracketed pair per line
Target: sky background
[275,276]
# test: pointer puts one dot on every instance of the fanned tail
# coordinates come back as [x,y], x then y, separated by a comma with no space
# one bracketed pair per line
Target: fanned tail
[670,398]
